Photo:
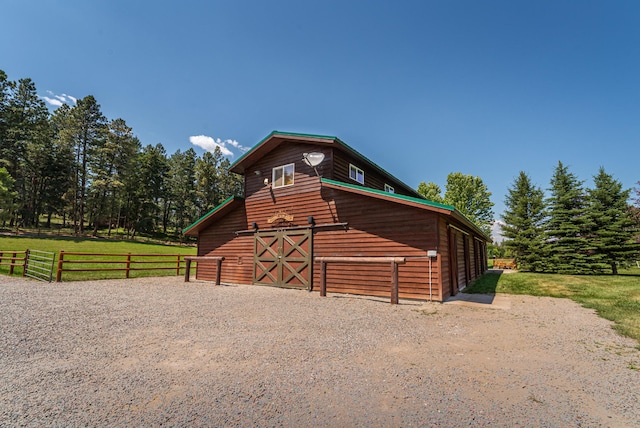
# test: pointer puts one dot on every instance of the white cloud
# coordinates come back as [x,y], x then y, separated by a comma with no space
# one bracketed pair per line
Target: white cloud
[496,231]
[58,100]
[210,144]
[53,101]
[237,145]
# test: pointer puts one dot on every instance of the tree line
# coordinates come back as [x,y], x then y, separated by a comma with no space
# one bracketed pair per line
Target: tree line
[576,230]
[94,173]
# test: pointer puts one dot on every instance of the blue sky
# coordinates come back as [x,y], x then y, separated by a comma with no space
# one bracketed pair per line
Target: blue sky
[423,88]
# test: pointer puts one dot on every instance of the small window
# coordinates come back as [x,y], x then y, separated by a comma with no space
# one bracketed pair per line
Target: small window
[356,174]
[389,189]
[283,176]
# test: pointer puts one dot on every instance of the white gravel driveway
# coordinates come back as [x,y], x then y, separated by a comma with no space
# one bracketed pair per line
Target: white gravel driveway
[151,352]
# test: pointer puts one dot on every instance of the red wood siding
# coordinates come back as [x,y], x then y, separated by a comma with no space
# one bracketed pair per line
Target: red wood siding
[376,228]
[220,240]
[379,228]
[372,178]
[444,258]
[304,175]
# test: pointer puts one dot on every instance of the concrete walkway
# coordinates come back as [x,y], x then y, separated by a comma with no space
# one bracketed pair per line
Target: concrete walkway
[492,301]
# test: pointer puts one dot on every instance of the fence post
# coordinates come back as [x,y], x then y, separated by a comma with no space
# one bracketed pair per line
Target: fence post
[25,262]
[11,262]
[394,283]
[178,265]
[323,279]
[128,265]
[60,263]
[219,270]
[187,269]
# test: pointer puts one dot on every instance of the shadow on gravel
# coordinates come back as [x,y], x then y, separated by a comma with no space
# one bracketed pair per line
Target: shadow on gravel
[486,299]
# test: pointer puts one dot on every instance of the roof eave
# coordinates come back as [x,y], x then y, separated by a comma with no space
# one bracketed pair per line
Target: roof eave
[407,200]
[379,194]
[274,139]
[199,224]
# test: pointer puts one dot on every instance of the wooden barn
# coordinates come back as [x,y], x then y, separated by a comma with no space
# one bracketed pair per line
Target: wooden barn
[316,212]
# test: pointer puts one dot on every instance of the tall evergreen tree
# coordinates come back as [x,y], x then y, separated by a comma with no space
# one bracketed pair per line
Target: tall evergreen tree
[613,228]
[7,195]
[110,163]
[144,190]
[634,210]
[524,217]
[231,184]
[84,129]
[62,197]
[567,228]
[208,181]
[182,188]
[6,87]
[26,144]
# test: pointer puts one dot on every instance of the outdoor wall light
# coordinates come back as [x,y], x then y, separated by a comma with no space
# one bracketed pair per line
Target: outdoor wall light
[254,225]
[311,220]
[266,181]
[258,173]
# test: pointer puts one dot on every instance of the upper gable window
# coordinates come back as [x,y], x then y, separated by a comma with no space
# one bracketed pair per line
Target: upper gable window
[356,174]
[389,189]
[283,175]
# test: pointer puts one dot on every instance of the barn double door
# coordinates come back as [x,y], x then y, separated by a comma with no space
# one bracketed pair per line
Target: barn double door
[283,258]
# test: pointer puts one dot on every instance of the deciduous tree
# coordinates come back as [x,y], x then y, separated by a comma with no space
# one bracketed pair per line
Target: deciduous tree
[431,191]
[472,198]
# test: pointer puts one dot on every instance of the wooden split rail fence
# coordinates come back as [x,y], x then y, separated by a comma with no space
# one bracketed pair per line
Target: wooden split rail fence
[41,265]
[392,261]
[13,259]
[123,262]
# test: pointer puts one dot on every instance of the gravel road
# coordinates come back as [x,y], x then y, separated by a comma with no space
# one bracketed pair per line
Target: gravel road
[152,352]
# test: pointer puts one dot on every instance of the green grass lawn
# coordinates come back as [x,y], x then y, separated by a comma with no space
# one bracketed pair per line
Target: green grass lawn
[93,245]
[616,298]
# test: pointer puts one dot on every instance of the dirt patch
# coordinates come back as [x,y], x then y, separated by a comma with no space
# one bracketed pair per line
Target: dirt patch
[157,351]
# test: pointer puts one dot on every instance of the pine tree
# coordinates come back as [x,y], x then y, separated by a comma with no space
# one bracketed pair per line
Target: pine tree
[612,226]
[84,128]
[567,226]
[524,218]
[208,181]
[182,188]
[26,147]
[7,195]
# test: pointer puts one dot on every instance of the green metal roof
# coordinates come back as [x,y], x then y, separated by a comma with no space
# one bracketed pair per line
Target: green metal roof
[404,198]
[210,213]
[288,134]
[330,138]
[421,201]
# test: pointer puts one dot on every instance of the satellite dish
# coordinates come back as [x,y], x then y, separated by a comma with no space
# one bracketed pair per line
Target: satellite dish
[313,159]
